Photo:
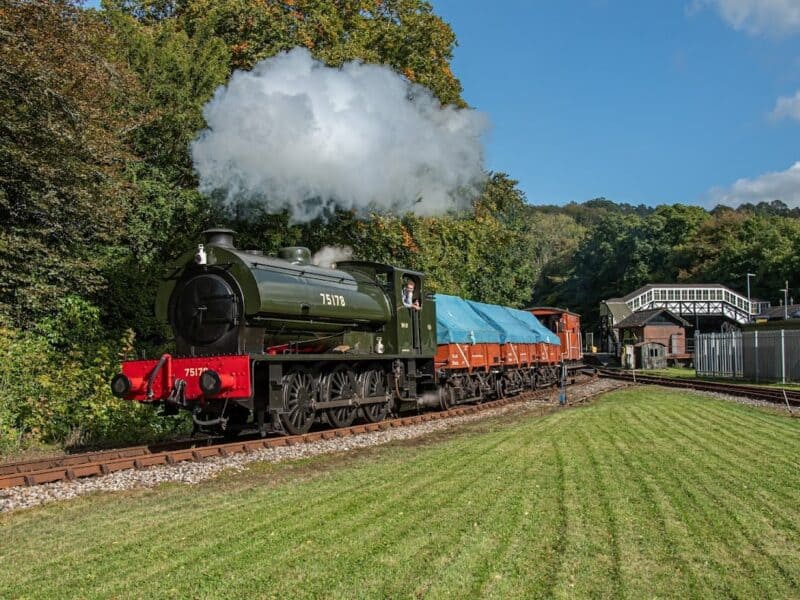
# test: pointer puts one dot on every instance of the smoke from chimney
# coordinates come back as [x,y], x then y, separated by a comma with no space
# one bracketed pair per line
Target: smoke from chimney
[294,134]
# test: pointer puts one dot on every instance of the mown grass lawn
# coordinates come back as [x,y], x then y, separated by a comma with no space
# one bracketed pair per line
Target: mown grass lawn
[645,493]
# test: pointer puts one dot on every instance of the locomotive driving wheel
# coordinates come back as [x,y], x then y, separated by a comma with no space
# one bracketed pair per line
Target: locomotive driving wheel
[298,401]
[339,385]
[374,383]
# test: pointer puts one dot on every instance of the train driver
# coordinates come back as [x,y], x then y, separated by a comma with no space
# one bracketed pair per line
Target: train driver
[408,296]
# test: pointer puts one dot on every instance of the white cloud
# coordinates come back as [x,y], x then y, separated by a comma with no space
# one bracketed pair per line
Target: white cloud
[787,107]
[781,185]
[756,17]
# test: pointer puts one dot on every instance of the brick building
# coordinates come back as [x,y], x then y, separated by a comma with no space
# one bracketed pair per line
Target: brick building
[655,326]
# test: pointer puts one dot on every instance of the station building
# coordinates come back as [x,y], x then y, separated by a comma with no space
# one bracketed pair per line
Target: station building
[702,307]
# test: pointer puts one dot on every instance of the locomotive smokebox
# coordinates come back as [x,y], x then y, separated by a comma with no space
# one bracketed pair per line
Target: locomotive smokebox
[219,237]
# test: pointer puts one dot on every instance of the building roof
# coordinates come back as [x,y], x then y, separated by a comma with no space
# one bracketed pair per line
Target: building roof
[643,317]
[618,309]
[776,312]
[652,286]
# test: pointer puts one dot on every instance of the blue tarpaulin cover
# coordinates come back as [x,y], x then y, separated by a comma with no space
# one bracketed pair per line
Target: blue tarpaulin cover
[532,322]
[509,327]
[457,323]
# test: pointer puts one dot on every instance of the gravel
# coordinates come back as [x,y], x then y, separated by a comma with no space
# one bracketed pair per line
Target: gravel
[197,471]
[742,400]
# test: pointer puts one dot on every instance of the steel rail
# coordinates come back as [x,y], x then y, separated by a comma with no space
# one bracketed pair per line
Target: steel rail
[775,395]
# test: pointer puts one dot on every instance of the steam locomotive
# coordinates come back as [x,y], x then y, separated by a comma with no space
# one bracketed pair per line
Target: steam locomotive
[276,344]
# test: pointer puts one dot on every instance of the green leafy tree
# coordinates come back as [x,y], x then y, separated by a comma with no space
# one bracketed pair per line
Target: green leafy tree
[554,239]
[404,34]
[178,74]
[733,244]
[63,196]
[612,259]
[669,228]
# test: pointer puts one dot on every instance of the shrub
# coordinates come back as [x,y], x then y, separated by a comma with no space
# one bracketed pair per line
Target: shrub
[54,386]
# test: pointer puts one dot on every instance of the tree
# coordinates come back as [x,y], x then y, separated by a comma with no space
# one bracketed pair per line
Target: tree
[554,240]
[733,244]
[404,34]
[178,75]
[63,195]
[611,260]
[669,228]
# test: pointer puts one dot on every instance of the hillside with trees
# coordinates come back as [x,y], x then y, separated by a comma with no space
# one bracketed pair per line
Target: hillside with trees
[97,193]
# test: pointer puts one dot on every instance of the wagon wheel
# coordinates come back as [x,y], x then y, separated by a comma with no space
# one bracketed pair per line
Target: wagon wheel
[298,401]
[475,388]
[339,385]
[447,396]
[374,383]
[499,386]
[517,380]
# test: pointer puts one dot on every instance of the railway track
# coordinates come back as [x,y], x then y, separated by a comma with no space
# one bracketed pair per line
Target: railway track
[76,463]
[774,395]
[91,464]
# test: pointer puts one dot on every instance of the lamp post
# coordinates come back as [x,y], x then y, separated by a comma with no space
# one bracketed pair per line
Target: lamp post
[749,304]
[785,291]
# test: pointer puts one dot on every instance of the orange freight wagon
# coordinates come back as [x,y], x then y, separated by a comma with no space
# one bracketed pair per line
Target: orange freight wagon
[566,325]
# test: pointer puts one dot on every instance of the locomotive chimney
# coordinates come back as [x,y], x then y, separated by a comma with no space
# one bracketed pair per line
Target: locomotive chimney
[219,237]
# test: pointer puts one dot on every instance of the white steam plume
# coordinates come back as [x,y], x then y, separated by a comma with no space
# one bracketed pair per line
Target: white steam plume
[328,256]
[293,133]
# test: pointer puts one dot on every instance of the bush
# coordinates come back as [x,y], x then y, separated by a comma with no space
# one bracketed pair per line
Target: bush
[54,386]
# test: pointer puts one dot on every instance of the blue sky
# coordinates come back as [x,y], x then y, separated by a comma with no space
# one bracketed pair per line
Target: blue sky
[654,101]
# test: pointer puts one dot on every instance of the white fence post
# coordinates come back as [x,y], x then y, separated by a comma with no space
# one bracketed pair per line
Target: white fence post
[783,356]
[755,338]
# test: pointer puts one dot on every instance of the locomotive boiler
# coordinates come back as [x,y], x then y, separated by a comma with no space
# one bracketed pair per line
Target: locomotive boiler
[221,300]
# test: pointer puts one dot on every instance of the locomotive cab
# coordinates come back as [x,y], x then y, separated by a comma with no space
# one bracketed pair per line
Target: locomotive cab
[410,331]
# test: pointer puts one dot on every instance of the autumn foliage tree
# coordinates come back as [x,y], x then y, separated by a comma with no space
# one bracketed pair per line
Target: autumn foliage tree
[404,34]
[63,196]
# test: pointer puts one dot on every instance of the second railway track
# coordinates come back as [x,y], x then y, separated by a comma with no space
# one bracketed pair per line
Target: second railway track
[771,395]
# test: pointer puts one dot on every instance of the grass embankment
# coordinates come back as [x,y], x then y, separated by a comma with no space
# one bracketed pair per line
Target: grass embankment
[684,373]
[646,493]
